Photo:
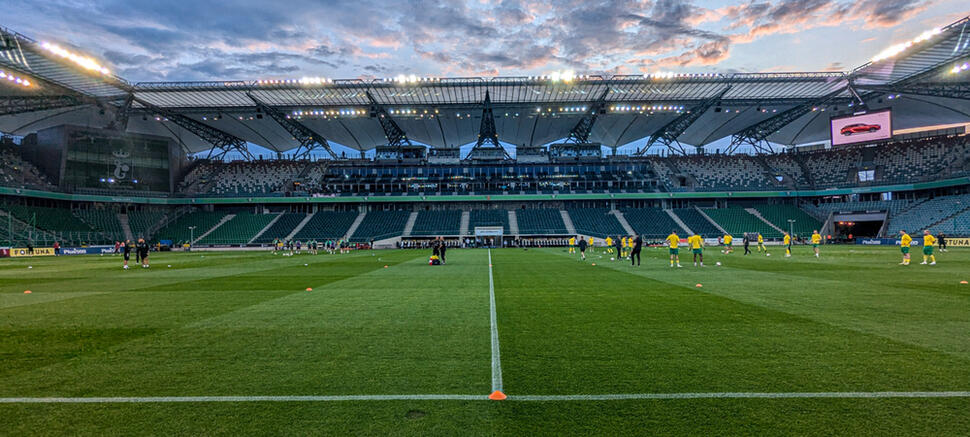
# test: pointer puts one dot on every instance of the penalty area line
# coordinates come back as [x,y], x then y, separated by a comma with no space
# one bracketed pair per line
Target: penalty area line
[521,398]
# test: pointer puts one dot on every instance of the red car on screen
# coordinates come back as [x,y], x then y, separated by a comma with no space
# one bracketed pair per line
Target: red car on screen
[859,128]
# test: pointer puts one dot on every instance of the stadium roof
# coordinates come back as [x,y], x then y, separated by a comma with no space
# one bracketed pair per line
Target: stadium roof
[916,80]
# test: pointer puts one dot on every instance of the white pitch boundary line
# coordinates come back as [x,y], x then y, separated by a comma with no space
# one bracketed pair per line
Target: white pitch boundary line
[523,398]
[184,399]
[493,322]
[747,395]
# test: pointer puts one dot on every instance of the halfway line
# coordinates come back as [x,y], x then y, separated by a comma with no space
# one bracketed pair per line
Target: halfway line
[493,320]
[523,398]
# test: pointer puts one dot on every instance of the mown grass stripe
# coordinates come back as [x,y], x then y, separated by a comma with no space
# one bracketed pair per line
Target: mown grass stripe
[458,397]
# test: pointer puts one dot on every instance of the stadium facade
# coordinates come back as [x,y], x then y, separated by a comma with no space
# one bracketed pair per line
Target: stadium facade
[92,158]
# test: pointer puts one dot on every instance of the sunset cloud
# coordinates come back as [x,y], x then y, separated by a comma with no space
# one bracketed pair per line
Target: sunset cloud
[249,39]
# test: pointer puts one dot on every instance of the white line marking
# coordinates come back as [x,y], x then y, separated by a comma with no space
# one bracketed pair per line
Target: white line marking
[525,398]
[493,320]
[746,395]
[163,399]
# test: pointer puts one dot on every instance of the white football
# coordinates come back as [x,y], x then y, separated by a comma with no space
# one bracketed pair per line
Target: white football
[169,266]
[30,267]
[767,254]
[612,259]
[718,263]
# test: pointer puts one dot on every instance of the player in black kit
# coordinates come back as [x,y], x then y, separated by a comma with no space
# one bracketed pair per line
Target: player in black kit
[143,252]
[126,251]
[635,254]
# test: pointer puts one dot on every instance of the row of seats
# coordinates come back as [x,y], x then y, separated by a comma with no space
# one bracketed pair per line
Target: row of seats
[282,228]
[488,217]
[540,221]
[724,173]
[327,225]
[378,225]
[956,225]
[239,229]
[821,211]
[178,230]
[141,222]
[104,221]
[779,215]
[597,222]
[15,172]
[650,222]
[697,223]
[438,222]
[55,224]
[738,221]
[925,214]
[907,161]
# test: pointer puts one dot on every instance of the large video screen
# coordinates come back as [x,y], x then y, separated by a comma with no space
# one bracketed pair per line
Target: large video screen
[873,126]
[127,162]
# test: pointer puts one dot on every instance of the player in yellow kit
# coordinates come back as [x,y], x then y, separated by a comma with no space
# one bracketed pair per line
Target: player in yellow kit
[816,240]
[696,244]
[904,241]
[609,244]
[761,244]
[928,241]
[591,244]
[673,240]
[727,243]
[572,244]
[787,242]
[625,245]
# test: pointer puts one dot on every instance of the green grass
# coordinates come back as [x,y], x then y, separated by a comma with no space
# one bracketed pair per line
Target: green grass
[238,324]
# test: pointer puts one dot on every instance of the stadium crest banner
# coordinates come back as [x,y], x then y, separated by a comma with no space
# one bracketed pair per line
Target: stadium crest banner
[4,252]
[958,242]
[38,251]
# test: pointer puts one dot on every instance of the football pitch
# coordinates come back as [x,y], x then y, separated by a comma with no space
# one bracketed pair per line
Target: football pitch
[378,342]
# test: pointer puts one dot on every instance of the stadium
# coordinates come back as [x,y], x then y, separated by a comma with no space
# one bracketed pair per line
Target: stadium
[290,234]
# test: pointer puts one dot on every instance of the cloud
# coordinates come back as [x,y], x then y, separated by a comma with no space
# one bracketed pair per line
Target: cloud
[249,39]
[758,19]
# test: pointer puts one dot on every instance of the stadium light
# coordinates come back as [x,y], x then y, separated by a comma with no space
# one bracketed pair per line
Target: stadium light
[960,68]
[901,47]
[560,76]
[410,78]
[15,80]
[82,61]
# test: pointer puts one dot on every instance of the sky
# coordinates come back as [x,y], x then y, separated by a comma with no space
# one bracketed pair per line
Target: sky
[157,40]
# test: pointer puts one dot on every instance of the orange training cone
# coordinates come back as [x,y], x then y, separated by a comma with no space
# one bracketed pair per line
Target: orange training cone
[27,292]
[594,264]
[497,395]
[699,285]
[963,282]
[385,266]
[309,289]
